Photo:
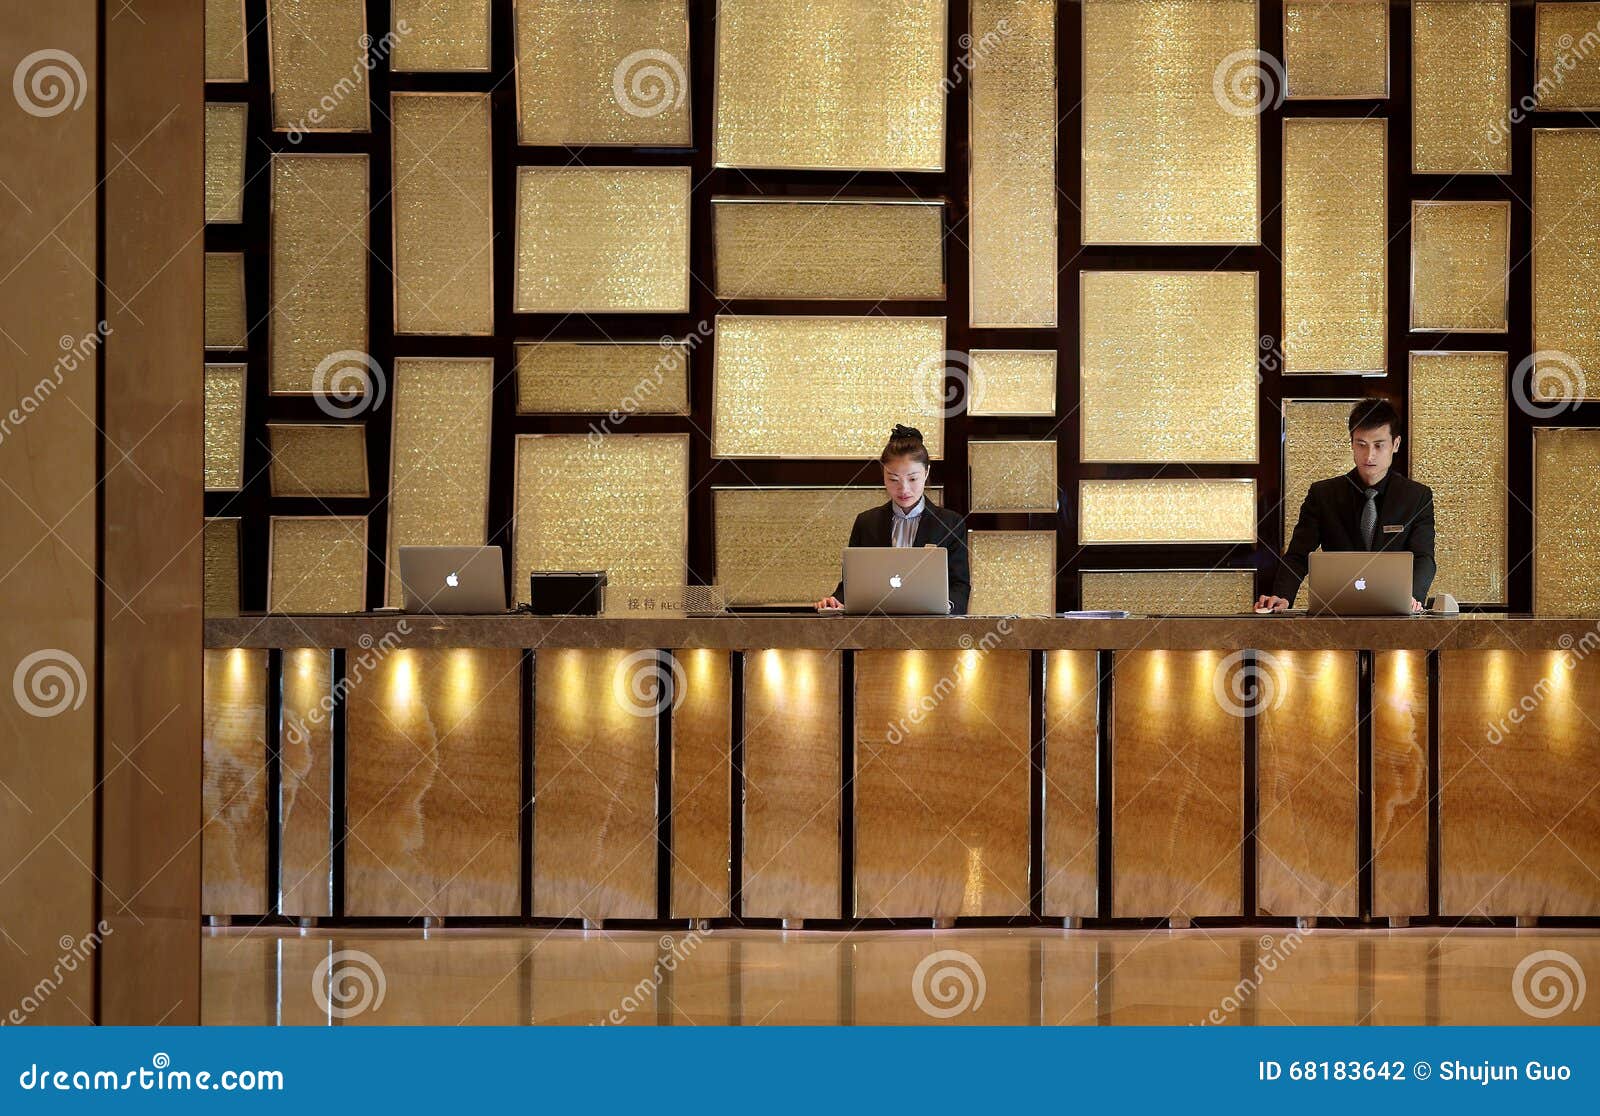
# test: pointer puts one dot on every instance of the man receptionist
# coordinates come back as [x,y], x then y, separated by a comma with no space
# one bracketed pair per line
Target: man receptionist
[1371,507]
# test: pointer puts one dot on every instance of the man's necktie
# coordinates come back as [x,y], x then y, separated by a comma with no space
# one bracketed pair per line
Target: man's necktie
[1369,517]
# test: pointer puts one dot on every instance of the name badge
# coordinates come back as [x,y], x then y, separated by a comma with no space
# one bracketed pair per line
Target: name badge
[1393,528]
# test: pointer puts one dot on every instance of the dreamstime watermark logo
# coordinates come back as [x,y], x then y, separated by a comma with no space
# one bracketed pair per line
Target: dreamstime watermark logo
[1271,953]
[348,382]
[913,121]
[1248,82]
[1535,697]
[75,353]
[673,952]
[1547,983]
[74,952]
[297,730]
[947,983]
[648,82]
[49,682]
[948,383]
[347,983]
[49,82]
[973,654]
[351,84]
[1246,683]
[674,356]
[1547,383]
[645,683]
[1568,55]
[1271,358]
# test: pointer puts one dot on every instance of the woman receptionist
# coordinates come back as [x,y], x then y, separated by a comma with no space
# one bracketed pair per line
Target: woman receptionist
[908,519]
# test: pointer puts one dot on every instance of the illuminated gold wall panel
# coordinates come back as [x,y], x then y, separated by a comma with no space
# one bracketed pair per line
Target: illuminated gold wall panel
[1566,65]
[1164,160]
[225,132]
[599,377]
[318,459]
[1335,243]
[306,800]
[225,315]
[1012,476]
[594,772]
[224,420]
[233,749]
[1011,382]
[830,84]
[618,503]
[602,240]
[225,53]
[1167,356]
[450,36]
[317,564]
[702,767]
[614,72]
[439,457]
[1519,819]
[1566,550]
[222,566]
[1316,445]
[319,81]
[1071,793]
[1012,217]
[1460,265]
[828,249]
[1178,788]
[1566,261]
[792,784]
[443,217]
[1400,783]
[1337,48]
[941,800]
[1307,861]
[825,387]
[1013,573]
[1159,511]
[782,545]
[434,785]
[1457,448]
[1170,592]
[319,268]
[1460,86]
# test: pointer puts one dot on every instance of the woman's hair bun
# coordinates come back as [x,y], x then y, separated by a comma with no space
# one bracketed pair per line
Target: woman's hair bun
[905,432]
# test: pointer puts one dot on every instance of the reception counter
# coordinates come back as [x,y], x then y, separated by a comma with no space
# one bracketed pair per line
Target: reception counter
[819,770]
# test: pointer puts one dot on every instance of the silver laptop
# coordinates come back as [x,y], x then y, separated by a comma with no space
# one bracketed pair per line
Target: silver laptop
[900,580]
[453,580]
[1360,582]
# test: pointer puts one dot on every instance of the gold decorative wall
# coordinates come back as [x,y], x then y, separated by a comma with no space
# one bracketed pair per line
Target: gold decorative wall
[319,79]
[1566,491]
[602,240]
[443,216]
[1165,160]
[1167,358]
[225,313]
[602,377]
[1316,445]
[1460,86]
[830,84]
[1012,476]
[226,58]
[1013,573]
[1566,261]
[1011,382]
[224,421]
[617,503]
[1566,68]
[318,459]
[828,248]
[1335,241]
[317,564]
[1012,222]
[825,387]
[1460,266]
[439,457]
[1170,592]
[225,131]
[782,545]
[609,73]
[1336,48]
[1166,511]
[441,37]
[1458,435]
[221,544]
[319,269]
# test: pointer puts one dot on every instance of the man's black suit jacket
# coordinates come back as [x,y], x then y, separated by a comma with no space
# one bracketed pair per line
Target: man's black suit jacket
[940,526]
[1331,518]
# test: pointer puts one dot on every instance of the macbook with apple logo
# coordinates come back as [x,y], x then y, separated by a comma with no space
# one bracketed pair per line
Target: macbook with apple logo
[897,580]
[453,580]
[1359,583]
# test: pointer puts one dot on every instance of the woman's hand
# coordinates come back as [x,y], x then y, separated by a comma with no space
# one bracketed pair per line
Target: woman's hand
[829,604]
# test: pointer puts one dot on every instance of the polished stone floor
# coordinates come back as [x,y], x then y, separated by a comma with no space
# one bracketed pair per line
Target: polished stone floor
[1278,976]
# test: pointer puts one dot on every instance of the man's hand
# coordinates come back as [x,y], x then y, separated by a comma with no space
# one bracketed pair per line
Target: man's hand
[1267,600]
[1416,605]
[829,604]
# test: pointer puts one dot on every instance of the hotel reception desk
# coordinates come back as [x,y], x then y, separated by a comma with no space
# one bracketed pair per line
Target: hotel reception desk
[818,769]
